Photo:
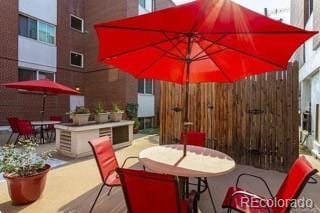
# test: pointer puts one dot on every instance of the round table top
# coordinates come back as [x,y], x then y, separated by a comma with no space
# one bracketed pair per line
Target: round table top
[39,123]
[199,161]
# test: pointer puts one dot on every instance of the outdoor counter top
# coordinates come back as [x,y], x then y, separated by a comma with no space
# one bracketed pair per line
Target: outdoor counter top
[92,125]
[72,141]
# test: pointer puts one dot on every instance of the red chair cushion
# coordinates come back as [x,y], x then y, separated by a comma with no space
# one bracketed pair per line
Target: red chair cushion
[105,158]
[194,138]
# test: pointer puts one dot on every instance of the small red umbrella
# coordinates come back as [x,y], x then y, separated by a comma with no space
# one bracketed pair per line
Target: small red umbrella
[45,87]
[202,41]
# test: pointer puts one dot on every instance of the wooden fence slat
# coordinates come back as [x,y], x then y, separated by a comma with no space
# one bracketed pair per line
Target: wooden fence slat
[258,113]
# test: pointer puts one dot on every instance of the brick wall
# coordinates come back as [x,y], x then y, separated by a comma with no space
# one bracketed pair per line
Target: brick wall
[98,83]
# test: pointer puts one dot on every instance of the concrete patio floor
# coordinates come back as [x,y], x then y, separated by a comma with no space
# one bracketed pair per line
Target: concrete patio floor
[73,186]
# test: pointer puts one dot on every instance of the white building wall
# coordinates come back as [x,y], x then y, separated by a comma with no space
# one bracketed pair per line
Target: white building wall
[147,9]
[146,105]
[45,10]
[309,77]
[146,102]
[36,55]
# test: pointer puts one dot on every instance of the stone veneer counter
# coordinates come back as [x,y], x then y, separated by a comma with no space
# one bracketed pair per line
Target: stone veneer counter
[72,141]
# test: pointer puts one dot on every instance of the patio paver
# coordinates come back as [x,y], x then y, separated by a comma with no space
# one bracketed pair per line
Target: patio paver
[73,187]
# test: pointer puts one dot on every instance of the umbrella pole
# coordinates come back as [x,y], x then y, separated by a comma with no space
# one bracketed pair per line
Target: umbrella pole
[186,121]
[186,111]
[43,106]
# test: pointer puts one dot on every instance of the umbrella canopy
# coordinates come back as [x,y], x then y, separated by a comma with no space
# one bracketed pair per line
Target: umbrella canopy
[203,41]
[219,40]
[43,86]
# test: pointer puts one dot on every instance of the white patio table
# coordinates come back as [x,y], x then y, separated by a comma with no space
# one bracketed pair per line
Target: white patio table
[42,124]
[199,162]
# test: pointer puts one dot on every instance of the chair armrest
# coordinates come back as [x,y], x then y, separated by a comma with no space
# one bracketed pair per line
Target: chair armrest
[125,161]
[313,180]
[250,195]
[257,177]
[193,202]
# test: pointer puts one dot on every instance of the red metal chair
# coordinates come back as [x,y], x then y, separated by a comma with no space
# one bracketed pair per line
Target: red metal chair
[198,139]
[157,193]
[194,138]
[298,176]
[26,130]
[14,128]
[107,164]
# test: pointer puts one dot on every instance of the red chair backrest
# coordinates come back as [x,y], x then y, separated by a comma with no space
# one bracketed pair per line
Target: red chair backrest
[104,155]
[297,177]
[55,118]
[194,138]
[13,122]
[25,127]
[149,192]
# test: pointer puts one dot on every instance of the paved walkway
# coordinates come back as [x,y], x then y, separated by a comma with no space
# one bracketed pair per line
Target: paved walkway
[72,187]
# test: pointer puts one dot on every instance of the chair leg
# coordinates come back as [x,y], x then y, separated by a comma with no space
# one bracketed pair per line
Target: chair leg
[94,203]
[229,210]
[207,185]
[17,139]
[199,187]
[9,139]
[110,190]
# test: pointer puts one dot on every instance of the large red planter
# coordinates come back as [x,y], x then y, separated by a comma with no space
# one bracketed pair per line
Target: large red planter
[24,190]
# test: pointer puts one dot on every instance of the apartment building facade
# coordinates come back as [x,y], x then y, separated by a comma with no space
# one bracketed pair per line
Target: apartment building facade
[51,39]
[306,14]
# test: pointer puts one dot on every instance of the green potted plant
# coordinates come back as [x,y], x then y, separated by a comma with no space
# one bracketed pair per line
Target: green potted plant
[136,125]
[132,113]
[100,114]
[80,116]
[116,113]
[25,171]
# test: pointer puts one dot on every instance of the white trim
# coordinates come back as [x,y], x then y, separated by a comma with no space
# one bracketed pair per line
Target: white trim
[82,23]
[82,59]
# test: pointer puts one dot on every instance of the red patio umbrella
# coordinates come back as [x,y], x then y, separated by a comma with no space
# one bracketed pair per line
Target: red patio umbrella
[202,41]
[45,87]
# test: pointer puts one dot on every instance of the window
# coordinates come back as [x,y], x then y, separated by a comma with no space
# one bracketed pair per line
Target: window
[310,7]
[76,23]
[318,122]
[27,27]
[28,75]
[46,32]
[146,123]
[45,75]
[76,59]
[142,3]
[145,86]
[37,30]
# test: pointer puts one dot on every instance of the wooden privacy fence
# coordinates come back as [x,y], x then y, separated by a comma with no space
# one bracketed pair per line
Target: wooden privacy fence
[255,120]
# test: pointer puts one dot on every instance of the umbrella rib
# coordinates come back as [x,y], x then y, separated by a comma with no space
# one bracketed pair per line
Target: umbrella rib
[204,50]
[251,55]
[207,56]
[175,45]
[139,48]
[150,65]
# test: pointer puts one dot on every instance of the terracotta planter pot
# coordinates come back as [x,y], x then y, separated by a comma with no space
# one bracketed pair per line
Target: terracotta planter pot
[135,130]
[102,117]
[80,119]
[116,116]
[24,190]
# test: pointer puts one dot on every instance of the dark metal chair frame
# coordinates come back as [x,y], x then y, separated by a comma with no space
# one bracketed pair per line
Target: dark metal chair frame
[309,179]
